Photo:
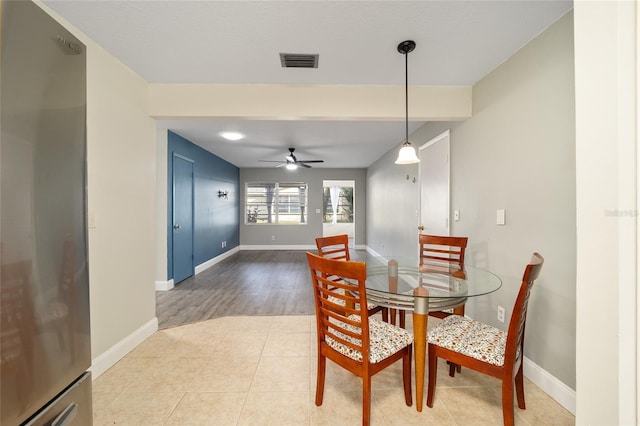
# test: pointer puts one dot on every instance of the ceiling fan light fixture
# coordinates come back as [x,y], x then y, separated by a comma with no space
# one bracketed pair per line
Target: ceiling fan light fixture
[407,154]
[232,136]
[292,163]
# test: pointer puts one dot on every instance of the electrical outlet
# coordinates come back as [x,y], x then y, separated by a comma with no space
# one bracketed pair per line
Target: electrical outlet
[273,238]
[500,314]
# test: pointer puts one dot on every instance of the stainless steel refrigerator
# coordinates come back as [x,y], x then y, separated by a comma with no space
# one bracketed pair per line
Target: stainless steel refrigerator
[44,330]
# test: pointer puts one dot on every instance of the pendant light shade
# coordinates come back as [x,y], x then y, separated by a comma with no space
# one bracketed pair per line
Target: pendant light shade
[407,154]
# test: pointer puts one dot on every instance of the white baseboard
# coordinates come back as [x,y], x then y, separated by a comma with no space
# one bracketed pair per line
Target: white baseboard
[209,263]
[372,251]
[279,247]
[164,285]
[311,248]
[114,354]
[168,285]
[550,385]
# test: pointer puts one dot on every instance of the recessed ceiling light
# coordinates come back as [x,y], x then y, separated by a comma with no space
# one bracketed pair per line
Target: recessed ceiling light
[232,136]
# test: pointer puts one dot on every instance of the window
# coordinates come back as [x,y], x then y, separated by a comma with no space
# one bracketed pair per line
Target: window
[343,198]
[276,203]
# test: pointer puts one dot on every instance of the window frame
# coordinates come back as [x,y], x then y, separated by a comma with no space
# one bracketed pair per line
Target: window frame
[280,189]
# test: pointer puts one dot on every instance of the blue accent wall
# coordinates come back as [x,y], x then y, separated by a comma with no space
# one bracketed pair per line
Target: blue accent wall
[214,219]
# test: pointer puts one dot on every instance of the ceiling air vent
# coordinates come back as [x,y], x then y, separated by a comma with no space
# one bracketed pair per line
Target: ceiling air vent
[299,60]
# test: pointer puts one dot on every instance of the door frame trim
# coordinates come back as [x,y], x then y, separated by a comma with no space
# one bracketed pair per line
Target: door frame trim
[421,148]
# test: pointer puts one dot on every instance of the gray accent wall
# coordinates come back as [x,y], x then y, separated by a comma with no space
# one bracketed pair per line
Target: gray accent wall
[517,153]
[301,235]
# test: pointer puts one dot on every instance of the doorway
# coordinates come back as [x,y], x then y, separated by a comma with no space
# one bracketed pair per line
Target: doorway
[434,185]
[338,209]
[182,228]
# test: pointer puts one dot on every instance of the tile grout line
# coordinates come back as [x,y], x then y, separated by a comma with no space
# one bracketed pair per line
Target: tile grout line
[244,404]
[174,408]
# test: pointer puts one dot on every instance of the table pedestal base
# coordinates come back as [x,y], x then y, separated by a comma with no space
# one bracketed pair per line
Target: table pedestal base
[420,316]
[420,347]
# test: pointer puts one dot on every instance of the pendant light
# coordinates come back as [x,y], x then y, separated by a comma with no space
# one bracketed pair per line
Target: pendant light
[407,154]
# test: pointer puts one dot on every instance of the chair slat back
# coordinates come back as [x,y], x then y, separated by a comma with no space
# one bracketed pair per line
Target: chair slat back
[334,247]
[340,321]
[515,334]
[442,249]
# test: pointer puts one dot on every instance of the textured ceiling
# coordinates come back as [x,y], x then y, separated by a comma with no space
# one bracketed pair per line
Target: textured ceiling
[239,42]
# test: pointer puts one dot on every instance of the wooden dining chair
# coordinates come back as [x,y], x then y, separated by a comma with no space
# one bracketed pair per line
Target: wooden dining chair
[487,349]
[347,336]
[440,254]
[336,247]
[443,254]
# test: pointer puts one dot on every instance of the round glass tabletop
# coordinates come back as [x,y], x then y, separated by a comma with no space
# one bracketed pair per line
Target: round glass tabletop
[396,282]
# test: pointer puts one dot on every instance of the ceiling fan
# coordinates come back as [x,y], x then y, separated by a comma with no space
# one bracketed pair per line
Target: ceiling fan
[291,162]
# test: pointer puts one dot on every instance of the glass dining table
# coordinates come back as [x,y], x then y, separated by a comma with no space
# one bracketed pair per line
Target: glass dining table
[403,284]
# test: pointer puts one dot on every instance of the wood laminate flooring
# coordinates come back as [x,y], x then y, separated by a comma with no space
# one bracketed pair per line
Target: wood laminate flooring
[250,282]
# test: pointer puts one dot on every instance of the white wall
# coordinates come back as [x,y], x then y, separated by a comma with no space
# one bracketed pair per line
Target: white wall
[392,206]
[518,153]
[515,153]
[121,169]
[121,187]
[162,152]
[606,51]
[311,102]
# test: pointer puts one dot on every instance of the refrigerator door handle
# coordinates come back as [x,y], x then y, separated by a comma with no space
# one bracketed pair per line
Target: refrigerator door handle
[67,415]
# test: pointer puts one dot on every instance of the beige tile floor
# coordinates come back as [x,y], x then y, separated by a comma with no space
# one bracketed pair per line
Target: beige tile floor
[261,371]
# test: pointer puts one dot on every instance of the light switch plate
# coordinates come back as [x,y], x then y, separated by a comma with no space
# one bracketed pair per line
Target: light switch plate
[500,217]
[91,219]
[456,215]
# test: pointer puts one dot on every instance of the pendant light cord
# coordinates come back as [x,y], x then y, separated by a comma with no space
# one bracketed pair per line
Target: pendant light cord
[407,154]
[406,97]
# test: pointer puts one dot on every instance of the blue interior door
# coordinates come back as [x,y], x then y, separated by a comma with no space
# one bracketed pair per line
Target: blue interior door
[182,218]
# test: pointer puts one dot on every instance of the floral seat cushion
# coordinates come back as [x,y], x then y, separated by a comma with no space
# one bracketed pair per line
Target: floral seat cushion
[470,338]
[384,340]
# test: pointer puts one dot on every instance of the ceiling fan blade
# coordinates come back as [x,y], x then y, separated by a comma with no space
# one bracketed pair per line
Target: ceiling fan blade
[291,159]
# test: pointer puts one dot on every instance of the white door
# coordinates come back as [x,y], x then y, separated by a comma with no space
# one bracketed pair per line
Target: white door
[434,186]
